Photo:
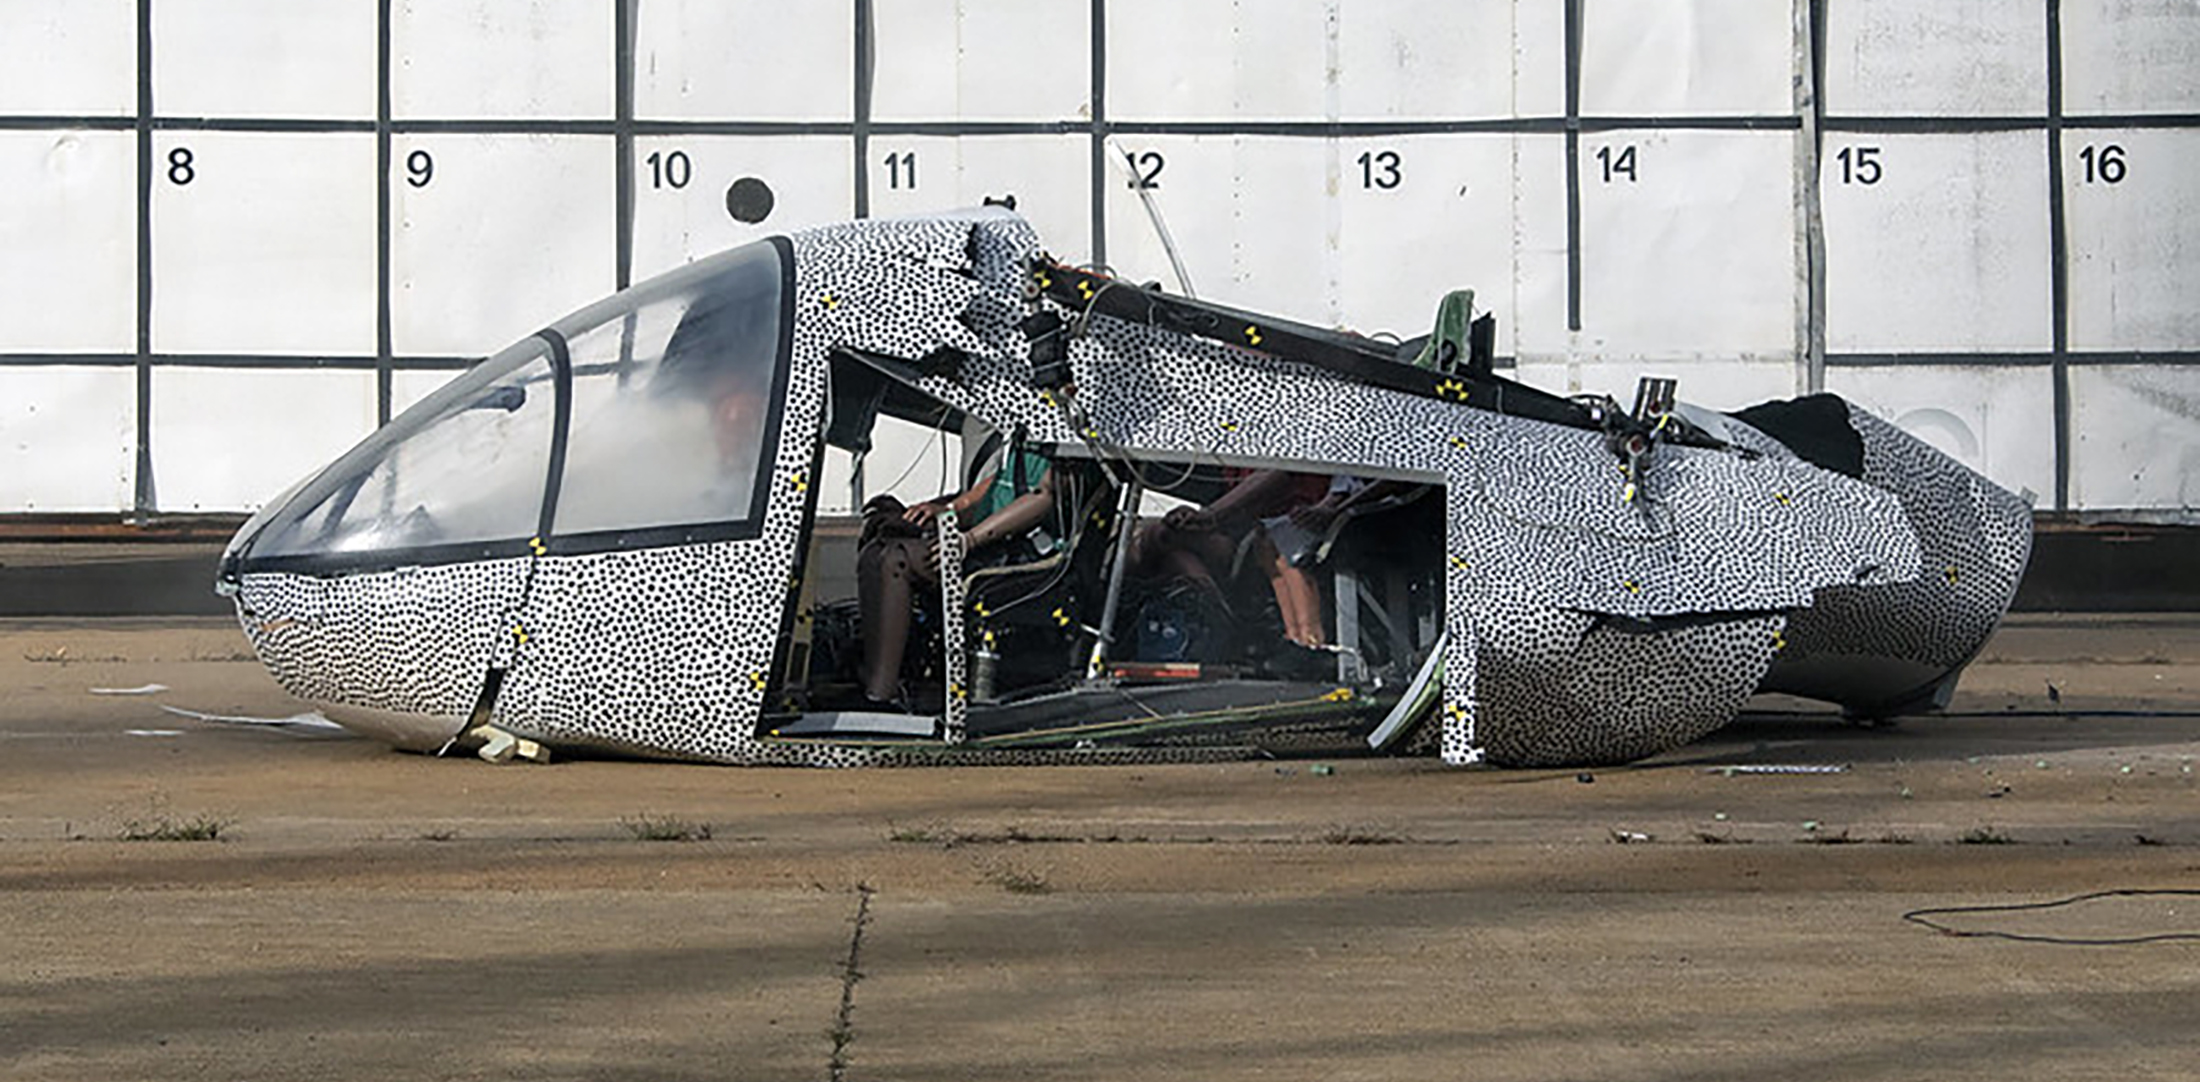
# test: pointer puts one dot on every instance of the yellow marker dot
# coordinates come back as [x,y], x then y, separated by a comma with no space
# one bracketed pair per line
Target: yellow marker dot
[1459,562]
[829,301]
[1084,289]
[1046,397]
[1252,334]
[1045,281]
[1782,497]
[1779,641]
[1458,443]
[1951,573]
[756,680]
[1229,426]
[1633,587]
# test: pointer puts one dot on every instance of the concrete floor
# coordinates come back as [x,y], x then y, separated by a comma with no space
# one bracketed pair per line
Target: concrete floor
[365,914]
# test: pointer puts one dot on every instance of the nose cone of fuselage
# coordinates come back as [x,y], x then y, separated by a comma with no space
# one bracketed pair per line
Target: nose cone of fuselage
[400,655]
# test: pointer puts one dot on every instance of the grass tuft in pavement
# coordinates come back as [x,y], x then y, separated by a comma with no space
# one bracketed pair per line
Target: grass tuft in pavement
[665,828]
[161,828]
[1017,879]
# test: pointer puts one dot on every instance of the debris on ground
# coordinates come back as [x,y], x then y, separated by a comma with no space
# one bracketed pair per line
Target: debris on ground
[310,721]
[1778,768]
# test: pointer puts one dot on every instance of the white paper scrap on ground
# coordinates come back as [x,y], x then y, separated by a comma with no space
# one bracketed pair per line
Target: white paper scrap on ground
[148,689]
[310,721]
[1779,768]
[152,732]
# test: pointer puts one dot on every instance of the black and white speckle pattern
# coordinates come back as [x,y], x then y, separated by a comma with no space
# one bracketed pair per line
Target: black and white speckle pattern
[1567,688]
[416,640]
[1582,626]
[1876,647]
[957,705]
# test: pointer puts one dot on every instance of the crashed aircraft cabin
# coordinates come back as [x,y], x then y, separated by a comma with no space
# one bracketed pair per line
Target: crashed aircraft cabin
[600,539]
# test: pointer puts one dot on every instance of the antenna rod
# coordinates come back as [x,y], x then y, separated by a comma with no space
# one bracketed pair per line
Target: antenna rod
[1153,214]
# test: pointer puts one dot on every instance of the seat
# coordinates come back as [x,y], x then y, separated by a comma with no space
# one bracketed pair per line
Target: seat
[1458,343]
[1033,614]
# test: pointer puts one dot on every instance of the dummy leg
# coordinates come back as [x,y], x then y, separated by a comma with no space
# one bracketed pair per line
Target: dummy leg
[1306,602]
[883,574]
[1297,600]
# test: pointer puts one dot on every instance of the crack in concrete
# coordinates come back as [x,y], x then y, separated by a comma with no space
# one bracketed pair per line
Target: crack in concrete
[844,1031]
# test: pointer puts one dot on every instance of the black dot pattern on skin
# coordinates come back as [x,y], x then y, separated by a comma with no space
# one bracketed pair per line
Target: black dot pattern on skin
[412,641]
[1976,539]
[1581,626]
[1565,688]
[957,705]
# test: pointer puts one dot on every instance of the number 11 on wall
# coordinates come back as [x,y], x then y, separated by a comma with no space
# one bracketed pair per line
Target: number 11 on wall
[901,170]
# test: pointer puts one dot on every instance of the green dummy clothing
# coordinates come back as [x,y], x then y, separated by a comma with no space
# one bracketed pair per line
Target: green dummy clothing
[1005,488]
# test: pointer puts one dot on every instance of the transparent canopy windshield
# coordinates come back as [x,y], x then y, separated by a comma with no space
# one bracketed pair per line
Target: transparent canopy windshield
[648,418]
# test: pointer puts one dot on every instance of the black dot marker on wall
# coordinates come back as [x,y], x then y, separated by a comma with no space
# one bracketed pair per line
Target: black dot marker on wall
[749,200]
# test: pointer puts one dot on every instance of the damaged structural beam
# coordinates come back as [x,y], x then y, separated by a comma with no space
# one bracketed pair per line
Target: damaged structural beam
[1354,357]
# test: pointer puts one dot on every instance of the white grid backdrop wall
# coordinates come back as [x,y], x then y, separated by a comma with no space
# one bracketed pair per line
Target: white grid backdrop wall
[235,235]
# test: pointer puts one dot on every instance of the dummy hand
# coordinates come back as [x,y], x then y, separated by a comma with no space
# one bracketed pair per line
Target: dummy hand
[922,514]
[1189,519]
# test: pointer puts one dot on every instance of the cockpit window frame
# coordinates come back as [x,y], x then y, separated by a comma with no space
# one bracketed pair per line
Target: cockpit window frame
[746,528]
[545,540]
